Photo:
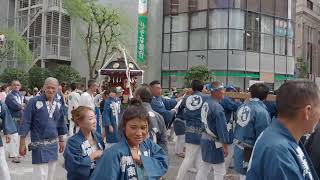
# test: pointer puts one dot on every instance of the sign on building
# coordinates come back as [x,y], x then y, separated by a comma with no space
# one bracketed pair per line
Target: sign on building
[142,31]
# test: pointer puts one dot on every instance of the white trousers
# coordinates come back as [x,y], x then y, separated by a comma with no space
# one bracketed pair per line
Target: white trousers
[193,157]
[229,158]
[180,144]
[44,171]
[4,170]
[13,146]
[219,171]
[242,177]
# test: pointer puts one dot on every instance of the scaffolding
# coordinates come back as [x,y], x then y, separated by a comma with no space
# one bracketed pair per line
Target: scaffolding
[47,28]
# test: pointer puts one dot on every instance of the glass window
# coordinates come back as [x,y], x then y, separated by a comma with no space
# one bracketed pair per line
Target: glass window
[253,5]
[280,64]
[217,59]
[236,19]
[180,23]
[179,41]
[266,43]
[178,61]
[267,63]
[253,22]
[267,24]
[218,18]
[179,6]
[165,80]
[253,42]
[236,81]
[195,5]
[291,29]
[166,42]
[221,76]
[237,60]
[282,8]
[177,81]
[280,45]
[290,65]
[218,39]
[252,63]
[280,27]
[198,40]
[267,7]
[197,58]
[198,20]
[290,47]
[167,24]
[218,3]
[166,7]
[236,39]
[165,61]
[292,10]
[238,4]
[310,4]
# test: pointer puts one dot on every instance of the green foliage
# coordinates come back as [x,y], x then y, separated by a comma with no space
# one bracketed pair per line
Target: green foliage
[15,47]
[37,76]
[66,74]
[11,74]
[102,30]
[302,67]
[200,72]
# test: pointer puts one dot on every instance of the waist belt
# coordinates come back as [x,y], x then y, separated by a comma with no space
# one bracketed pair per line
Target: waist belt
[209,137]
[37,144]
[241,144]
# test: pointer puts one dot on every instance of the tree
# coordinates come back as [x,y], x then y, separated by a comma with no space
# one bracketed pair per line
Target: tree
[15,47]
[11,74]
[302,68]
[66,74]
[102,31]
[37,76]
[199,72]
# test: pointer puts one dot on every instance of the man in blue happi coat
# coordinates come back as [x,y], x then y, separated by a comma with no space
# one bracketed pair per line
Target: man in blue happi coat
[230,107]
[215,137]
[194,128]
[8,128]
[163,106]
[14,102]
[44,118]
[252,119]
[278,152]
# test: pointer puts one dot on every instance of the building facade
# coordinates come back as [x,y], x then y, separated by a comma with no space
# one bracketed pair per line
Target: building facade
[45,25]
[308,35]
[238,40]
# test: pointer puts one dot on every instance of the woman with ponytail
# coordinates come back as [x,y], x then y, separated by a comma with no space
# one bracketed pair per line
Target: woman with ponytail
[85,147]
[135,156]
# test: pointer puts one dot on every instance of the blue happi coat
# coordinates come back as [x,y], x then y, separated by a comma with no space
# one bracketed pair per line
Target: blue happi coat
[277,155]
[117,163]
[192,115]
[14,102]
[163,106]
[230,108]
[179,124]
[111,116]
[252,119]
[7,124]
[43,126]
[215,133]
[76,156]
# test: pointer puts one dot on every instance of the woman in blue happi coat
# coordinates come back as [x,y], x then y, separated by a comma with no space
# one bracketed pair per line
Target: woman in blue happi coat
[85,147]
[135,156]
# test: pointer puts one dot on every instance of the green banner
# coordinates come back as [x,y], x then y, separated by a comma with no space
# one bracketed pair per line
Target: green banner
[142,32]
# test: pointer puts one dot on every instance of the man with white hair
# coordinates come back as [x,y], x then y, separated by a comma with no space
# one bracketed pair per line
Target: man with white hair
[43,116]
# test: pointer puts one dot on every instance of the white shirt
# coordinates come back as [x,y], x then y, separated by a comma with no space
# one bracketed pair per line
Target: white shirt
[87,100]
[73,100]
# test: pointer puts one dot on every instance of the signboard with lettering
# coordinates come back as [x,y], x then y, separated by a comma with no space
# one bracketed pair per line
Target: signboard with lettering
[142,32]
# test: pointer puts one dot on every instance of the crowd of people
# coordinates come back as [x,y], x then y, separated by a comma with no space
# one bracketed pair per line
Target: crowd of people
[102,139]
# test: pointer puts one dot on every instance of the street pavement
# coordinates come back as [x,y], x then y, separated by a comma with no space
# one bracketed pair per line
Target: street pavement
[23,170]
